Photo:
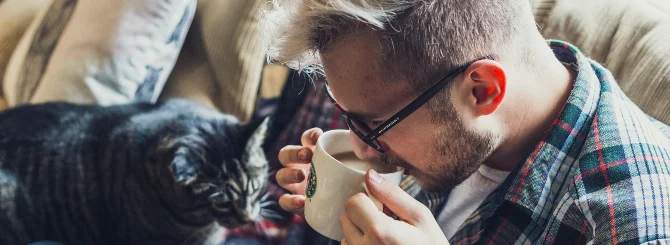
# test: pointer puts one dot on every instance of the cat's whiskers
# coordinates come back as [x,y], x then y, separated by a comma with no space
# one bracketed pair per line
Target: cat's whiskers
[271,214]
[268,203]
[265,197]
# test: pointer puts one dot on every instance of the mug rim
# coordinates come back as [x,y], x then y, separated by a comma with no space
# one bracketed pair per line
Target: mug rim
[330,157]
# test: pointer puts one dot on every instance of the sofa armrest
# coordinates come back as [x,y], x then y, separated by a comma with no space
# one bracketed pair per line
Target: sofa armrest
[628,37]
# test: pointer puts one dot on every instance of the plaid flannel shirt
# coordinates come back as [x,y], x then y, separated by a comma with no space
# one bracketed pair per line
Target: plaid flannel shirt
[600,176]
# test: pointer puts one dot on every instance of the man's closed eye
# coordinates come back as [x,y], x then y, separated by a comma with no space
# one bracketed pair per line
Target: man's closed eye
[374,123]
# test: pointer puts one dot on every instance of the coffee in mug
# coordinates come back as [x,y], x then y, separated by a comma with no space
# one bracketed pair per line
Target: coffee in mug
[349,159]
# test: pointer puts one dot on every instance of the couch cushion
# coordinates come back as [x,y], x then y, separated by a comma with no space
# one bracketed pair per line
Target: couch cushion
[629,37]
[92,51]
[222,62]
[15,17]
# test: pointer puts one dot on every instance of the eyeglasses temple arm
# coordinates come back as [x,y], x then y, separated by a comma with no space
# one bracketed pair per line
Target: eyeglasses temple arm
[418,102]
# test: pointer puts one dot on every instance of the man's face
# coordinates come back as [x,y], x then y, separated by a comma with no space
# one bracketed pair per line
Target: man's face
[440,151]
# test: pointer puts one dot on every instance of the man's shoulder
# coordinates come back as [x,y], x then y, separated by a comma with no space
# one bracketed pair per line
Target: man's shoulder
[622,143]
[620,133]
[622,171]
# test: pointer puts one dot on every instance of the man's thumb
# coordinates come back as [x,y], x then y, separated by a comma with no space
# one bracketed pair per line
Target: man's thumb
[395,198]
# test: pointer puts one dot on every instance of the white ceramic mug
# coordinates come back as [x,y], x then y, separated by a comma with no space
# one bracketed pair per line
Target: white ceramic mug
[331,183]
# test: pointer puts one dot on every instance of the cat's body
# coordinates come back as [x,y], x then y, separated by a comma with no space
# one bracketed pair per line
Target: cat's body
[133,174]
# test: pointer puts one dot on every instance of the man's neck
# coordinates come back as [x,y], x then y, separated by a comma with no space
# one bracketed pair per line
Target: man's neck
[538,103]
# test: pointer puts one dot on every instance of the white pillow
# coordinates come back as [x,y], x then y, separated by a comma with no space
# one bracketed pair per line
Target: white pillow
[98,51]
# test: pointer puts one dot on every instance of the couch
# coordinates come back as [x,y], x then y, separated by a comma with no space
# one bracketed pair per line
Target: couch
[220,66]
[114,52]
[631,38]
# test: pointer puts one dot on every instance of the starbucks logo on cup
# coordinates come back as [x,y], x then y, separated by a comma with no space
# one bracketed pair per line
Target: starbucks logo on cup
[311,182]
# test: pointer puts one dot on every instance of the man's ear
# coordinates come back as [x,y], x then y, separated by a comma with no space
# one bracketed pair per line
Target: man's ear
[486,83]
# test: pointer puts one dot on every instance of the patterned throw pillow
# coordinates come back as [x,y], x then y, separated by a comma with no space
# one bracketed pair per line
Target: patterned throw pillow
[98,51]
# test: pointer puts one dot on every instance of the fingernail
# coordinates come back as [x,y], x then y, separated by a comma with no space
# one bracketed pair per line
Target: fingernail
[302,154]
[296,202]
[375,177]
[313,135]
[299,175]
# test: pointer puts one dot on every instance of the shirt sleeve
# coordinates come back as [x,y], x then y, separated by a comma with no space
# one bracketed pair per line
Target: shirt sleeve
[622,202]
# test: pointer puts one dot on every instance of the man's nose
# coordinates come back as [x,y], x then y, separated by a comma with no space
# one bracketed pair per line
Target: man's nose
[361,149]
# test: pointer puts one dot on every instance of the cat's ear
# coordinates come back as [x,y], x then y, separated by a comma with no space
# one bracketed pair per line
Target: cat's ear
[184,171]
[255,132]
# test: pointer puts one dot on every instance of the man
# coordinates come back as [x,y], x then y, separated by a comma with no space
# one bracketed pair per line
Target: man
[515,139]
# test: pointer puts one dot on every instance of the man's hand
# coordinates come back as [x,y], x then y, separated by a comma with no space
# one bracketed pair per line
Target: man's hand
[293,176]
[362,223]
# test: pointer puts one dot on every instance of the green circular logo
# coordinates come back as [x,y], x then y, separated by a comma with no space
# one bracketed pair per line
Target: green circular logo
[311,182]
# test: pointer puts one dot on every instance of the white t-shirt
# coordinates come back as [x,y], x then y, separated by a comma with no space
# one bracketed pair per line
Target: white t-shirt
[466,198]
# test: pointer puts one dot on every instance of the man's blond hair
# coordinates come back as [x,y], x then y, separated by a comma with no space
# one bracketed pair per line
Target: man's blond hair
[419,39]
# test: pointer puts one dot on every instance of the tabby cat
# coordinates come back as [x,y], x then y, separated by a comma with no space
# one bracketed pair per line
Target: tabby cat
[171,173]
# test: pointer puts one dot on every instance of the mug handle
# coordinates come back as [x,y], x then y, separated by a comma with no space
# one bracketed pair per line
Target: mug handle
[377,203]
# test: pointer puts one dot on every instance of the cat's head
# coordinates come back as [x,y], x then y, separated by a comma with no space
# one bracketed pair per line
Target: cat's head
[241,198]
[220,163]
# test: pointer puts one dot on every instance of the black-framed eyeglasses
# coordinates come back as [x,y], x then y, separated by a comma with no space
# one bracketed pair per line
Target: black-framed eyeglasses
[370,136]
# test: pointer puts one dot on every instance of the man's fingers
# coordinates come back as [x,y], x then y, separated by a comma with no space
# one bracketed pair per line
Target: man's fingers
[293,154]
[396,199]
[351,232]
[310,137]
[292,179]
[363,212]
[293,203]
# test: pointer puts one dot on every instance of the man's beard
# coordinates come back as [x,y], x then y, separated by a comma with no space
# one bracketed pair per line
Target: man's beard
[463,150]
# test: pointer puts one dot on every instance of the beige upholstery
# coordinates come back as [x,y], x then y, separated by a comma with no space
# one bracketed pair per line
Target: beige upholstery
[221,65]
[630,37]
[15,17]
[97,51]
[222,61]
